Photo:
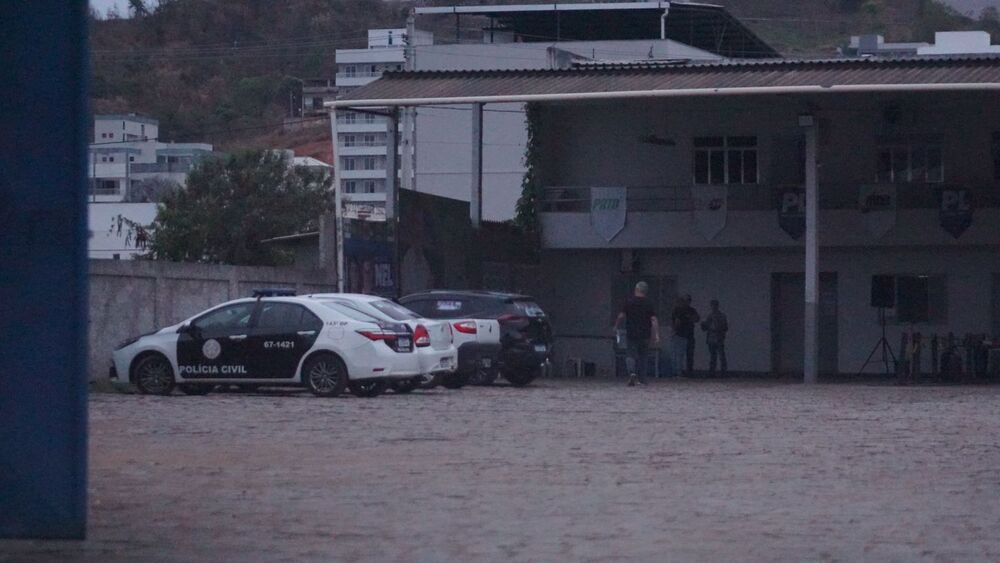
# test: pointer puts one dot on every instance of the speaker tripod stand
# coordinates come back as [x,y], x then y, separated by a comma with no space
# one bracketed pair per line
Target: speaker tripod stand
[883,346]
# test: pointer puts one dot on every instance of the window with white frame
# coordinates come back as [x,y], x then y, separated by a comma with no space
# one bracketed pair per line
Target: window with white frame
[369,118]
[370,186]
[371,140]
[909,163]
[350,163]
[350,186]
[349,140]
[370,163]
[350,71]
[725,160]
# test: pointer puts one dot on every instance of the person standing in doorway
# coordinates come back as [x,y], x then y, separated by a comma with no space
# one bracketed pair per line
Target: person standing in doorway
[684,318]
[715,326]
[641,328]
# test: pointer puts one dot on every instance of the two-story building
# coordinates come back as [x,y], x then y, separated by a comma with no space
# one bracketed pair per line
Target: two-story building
[124,158]
[782,188]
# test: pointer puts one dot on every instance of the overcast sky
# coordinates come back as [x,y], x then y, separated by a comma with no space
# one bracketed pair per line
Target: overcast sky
[969,7]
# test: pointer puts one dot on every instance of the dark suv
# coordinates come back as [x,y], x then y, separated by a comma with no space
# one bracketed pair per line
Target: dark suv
[525,333]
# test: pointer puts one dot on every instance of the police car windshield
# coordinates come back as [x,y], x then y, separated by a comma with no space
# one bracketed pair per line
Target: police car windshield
[349,312]
[394,311]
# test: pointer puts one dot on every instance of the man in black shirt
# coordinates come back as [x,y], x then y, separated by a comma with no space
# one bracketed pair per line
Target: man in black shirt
[640,327]
[684,318]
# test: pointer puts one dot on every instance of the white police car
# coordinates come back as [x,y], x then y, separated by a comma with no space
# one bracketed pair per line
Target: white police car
[273,339]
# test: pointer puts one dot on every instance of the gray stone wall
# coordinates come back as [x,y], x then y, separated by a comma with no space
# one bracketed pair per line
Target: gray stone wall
[131,297]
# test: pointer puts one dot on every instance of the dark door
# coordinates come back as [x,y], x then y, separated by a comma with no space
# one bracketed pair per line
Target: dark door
[215,345]
[996,305]
[788,319]
[283,333]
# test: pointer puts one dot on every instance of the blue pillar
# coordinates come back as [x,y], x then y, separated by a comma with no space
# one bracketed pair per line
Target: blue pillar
[43,269]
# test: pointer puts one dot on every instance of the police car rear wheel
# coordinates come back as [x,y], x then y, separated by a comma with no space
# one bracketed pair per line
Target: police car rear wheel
[154,376]
[367,389]
[325,375]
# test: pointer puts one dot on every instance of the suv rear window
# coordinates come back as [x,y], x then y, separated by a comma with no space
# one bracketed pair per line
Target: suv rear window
[394,311]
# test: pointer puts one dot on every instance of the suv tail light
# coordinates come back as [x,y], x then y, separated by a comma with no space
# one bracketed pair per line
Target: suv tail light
[511,319]
[421,338]
[466,327]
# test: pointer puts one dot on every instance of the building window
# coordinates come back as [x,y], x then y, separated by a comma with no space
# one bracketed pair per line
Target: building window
[369,118]
[350,141]
[350,117]
[350,186]
[370,140]
[725,160]
[131,159]
[317,103]
[370,186]
[920,299]
[111,159]
[350,163]
[370,163]
[350,71]
[904,164]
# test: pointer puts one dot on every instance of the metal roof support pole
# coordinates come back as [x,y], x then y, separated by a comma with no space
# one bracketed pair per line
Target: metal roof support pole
[338,202]
[476,197]
[811,344]
[392,166]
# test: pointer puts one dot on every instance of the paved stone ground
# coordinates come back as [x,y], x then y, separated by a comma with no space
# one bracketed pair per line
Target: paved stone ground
[560,471]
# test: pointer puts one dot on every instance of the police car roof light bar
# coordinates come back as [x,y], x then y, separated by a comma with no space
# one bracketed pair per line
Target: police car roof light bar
[273,292]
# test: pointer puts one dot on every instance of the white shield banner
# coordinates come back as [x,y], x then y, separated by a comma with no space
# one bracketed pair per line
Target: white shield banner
[710,209]
[878,205]
[607,211]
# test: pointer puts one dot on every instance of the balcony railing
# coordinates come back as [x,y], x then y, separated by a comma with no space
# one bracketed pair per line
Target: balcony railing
[160,167]
[97,189]
[359,74]
[575,199]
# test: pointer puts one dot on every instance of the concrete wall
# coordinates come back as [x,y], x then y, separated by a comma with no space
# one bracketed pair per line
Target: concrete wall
[581,304]
[129,298]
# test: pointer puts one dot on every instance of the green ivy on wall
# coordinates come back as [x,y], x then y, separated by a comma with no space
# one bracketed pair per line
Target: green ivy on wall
[526,216]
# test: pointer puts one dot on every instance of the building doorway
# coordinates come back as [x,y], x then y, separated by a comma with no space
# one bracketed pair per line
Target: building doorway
[788,318]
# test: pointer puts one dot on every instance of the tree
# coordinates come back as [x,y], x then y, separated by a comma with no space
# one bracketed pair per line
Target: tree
[231,204]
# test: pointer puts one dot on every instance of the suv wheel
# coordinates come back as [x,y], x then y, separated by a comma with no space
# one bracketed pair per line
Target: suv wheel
[154,375]
[455,380]
[325,375]
[368,388]
[521,377]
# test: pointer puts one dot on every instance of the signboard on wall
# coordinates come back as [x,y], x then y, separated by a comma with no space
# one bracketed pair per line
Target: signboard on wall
[955,210]
[792,212]
[369,259]
[607,211]
[710,209]
[365,210]
[878,205]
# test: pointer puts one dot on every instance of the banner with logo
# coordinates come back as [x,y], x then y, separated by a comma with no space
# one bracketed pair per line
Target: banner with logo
[792,211]
[878,206]
[710,209]
[607,211]
[955,208]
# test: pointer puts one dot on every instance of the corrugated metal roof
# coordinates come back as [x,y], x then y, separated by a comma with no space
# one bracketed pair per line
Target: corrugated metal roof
[664,76]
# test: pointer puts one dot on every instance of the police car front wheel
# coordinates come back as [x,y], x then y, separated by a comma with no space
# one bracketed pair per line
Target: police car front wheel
[154,375]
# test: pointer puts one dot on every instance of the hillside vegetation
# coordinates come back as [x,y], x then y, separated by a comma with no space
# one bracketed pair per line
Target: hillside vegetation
[222,70]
